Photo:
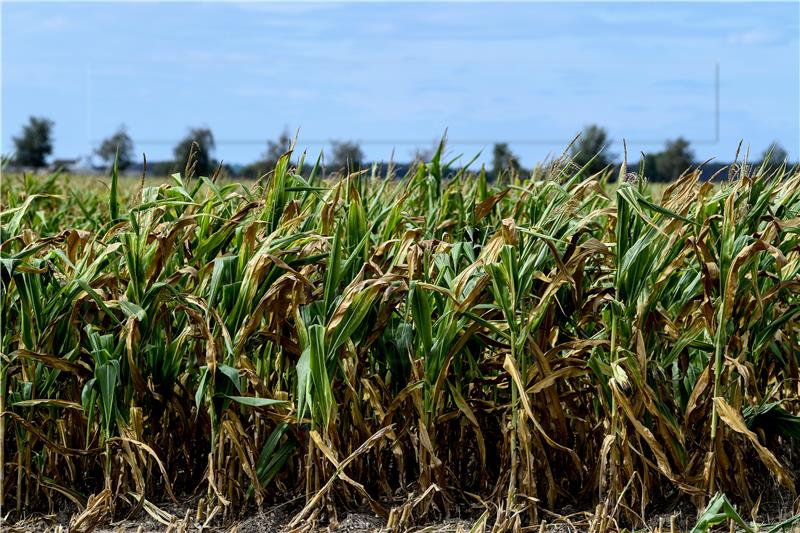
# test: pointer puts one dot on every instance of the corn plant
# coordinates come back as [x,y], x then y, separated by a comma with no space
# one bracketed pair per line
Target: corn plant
[418,345]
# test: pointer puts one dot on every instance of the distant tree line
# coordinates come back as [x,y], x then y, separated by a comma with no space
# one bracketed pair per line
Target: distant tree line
[193,153]
[590,154]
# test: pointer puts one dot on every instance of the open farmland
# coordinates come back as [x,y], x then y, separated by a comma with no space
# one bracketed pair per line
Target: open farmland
[437,345]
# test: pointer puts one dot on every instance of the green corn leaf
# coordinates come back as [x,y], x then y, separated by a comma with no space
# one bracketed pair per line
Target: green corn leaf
[421,314]
[106,375]
[201,388]
[303,369]
[321,392]
[253,401]
[113,200]
[232,376]
[719,511]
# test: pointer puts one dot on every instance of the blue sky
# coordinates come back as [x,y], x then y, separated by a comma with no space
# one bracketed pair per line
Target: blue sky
[395,75]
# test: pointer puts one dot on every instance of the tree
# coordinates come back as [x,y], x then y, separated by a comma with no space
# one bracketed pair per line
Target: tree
[346,154]
[119,143]
[161,168]
[275,149]
[424,155]
[35,143]
[504,159]
[674,160]
[774,155]
[201,162]
[592,146]
[267,162]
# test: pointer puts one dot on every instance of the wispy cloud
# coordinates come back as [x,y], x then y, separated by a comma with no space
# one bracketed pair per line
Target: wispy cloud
[756,37]
[34,22]
[57,22]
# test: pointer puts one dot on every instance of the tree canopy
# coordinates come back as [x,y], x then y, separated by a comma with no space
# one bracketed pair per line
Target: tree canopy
[119,146]
[676,158]
[278,147]
[504,159]
[201,162]
[775,155]
[346,155]
[35,143]
[591,149]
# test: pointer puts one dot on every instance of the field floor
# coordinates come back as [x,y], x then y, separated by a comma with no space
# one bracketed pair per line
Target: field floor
[277,518]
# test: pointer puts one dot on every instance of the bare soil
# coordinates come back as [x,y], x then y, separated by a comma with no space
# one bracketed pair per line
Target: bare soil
[276,519]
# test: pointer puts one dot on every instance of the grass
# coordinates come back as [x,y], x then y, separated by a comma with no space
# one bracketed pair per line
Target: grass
[417,347]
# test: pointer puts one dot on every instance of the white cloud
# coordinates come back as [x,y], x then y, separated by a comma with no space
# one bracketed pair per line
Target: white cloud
[755,37]
[30,21]
[56,22]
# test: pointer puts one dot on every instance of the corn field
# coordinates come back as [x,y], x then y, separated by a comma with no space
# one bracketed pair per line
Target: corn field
[413,346]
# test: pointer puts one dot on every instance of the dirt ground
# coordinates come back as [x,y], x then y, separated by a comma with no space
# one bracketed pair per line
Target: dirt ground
[181,518]
[270,520]
[261,522]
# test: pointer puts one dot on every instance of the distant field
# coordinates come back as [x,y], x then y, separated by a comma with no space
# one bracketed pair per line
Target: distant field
[515,352]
